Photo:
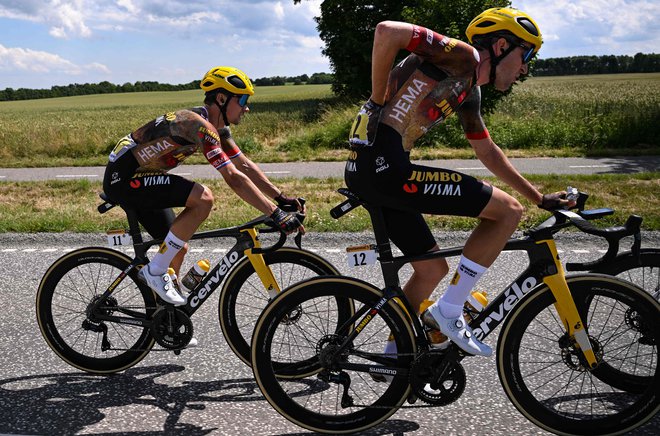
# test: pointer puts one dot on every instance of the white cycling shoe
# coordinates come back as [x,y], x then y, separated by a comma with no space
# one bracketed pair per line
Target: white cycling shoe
[163,285]
[457,330]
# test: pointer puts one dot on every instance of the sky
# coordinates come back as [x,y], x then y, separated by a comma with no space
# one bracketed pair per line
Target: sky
[58,42]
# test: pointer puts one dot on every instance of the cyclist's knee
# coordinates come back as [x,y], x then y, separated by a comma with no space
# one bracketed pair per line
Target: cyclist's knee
[503,208]
[200,200]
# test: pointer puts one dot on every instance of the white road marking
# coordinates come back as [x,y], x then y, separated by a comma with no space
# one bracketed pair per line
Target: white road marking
[471,168]
[277,172]
[224,250]
[589,166]
[74,176]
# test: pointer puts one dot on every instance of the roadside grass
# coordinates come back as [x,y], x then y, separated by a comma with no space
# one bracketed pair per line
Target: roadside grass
[58,206]
[545,116]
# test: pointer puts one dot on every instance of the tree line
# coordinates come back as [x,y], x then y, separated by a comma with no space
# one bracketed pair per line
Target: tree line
[640,63]
[10,94]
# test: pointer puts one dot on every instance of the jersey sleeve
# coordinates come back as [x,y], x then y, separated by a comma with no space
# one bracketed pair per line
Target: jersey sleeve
[228,144]
[453,54]
[212,148]
[469,115]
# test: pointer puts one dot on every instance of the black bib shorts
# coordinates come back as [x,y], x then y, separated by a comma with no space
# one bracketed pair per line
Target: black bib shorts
[151,194]
[383,175]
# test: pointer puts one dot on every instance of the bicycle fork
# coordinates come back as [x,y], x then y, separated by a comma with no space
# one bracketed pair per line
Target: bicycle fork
[565,306]
[258,262]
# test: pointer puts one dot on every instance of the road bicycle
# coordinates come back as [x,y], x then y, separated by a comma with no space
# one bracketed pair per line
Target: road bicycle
[575,354]
[96,315]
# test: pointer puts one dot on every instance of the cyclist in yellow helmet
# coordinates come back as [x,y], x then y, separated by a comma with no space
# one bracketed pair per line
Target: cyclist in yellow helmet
[441,76]
[137,174]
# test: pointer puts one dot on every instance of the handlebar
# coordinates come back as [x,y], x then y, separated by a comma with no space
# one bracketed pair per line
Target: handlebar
[272,228]
[581,219]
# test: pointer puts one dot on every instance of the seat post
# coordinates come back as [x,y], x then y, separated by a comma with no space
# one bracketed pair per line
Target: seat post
[135,231]
[390,271]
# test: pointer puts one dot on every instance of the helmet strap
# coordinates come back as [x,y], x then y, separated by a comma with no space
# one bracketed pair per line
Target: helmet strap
[495,60]
[223,108]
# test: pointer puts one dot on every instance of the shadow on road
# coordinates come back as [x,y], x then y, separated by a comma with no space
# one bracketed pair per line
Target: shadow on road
[68,403]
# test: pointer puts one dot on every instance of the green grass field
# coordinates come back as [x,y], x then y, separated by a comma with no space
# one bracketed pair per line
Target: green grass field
[57,206]
[549,116]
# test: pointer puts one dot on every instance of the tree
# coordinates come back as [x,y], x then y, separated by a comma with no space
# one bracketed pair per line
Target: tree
[347,28]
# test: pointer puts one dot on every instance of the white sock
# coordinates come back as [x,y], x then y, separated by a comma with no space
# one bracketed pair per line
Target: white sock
[466,276]
[390,348]
[168,249]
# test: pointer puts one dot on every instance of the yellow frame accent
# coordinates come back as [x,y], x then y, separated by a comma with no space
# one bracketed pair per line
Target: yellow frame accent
[565,306]
[263,271]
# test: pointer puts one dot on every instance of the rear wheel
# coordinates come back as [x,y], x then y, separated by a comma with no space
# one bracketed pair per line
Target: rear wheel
[644,271]
[546,378]
[243,296]
[69,289]
[335,391]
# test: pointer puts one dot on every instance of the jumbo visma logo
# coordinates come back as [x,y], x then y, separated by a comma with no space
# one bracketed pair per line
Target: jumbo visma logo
[410,188]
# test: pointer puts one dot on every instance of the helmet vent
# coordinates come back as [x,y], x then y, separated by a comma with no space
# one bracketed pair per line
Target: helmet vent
[528,26]
[207,83]
[236,81]
[486,23]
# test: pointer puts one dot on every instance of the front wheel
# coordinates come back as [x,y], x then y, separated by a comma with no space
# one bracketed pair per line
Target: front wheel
[546,377]
[340,386]
[243,296]
[69,289]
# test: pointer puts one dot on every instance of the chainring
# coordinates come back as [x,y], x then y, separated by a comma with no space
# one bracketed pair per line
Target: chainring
[436,379]
[171,328]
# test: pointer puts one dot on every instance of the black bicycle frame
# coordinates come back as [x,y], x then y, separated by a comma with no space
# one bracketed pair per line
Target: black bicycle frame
[541,264]
[212,280]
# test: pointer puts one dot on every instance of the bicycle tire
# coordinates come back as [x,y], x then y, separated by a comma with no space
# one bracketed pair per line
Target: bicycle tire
[66,291]
[643,271]
[312,402]
[567,398]
[243,296]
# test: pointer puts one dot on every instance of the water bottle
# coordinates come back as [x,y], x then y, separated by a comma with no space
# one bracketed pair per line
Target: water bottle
[475,303]
[195,275]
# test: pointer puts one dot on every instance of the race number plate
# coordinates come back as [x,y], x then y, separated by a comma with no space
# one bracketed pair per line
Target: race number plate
[118,238]
[361,255]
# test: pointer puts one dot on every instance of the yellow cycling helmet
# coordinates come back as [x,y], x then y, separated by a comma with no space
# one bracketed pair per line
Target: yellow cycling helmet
[504,20]
[229,79]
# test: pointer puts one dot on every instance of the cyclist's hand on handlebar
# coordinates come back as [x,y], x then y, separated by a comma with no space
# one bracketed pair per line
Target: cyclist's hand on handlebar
[363,131]
[290,204]
[286,221]
[556,200]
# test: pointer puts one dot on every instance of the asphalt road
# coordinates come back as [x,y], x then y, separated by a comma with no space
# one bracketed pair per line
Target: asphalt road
[207,390]
[336,169]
